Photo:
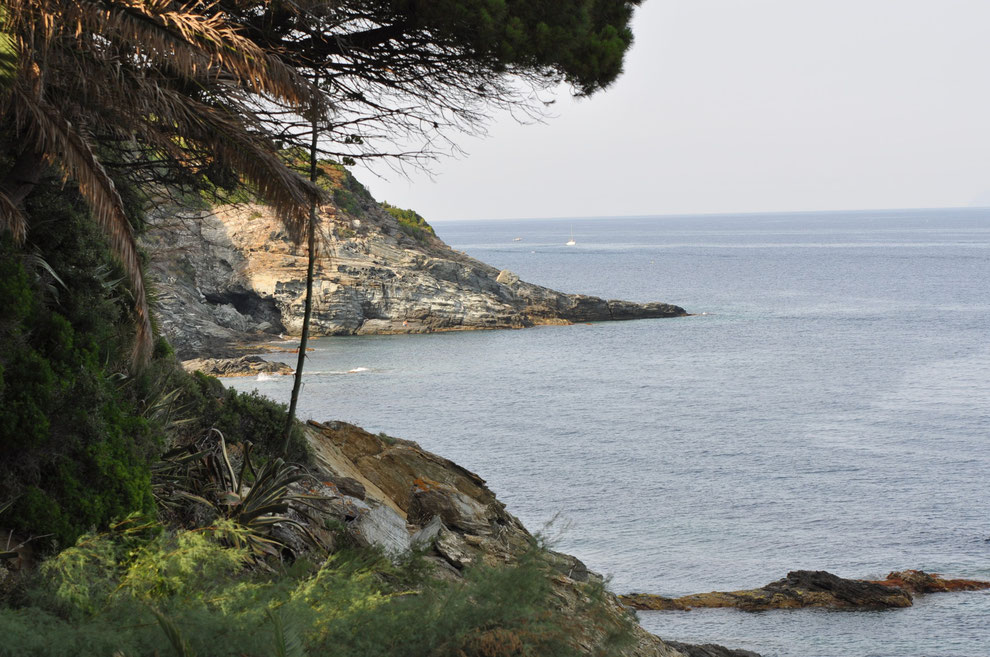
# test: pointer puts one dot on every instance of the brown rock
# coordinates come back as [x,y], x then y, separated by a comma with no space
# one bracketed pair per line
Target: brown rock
[709,650]
[415,484]
[457,510]
[807,588]
[918,581]
[649,602]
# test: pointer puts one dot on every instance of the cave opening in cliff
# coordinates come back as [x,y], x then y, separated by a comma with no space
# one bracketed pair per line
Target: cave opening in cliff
[250,304]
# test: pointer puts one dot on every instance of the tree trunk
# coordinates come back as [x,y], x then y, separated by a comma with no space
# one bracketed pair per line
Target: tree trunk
[308,311]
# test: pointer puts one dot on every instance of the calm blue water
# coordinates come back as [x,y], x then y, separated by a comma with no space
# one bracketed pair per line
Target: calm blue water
[830,411]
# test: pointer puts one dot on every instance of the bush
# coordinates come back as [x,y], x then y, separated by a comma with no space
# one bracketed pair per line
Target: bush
[239,416]
[411,222]
[125,592]
[74,451]
[78,434]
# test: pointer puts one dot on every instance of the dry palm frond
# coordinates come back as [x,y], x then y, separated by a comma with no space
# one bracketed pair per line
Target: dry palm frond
[192,40]
[12,219]
[64,146]
[217,133]
[256,499]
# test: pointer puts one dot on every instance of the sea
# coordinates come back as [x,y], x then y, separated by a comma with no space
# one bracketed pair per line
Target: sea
[826,406]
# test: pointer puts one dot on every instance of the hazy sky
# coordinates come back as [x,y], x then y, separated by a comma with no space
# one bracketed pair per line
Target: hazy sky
[745,106]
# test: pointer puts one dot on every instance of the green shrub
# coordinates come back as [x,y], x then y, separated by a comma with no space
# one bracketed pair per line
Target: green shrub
[123,593]
[411,222]
[239,416]
[74,451]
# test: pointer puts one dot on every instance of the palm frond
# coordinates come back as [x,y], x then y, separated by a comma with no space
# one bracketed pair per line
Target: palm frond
[193,132]
[287,640]
[12,219]
[208,479]
[66,147]
[192,40]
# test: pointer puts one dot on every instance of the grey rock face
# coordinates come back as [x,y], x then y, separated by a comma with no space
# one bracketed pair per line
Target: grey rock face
[233,274]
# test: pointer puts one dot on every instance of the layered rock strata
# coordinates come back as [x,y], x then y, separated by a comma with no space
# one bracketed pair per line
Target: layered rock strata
[229,274]
[807,588]
[394,495]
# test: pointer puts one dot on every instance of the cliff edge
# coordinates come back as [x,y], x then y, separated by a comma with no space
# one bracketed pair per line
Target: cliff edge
[393,495]
[227,274]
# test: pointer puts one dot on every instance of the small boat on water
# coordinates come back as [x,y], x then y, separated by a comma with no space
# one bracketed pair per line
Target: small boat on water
[571,241]
[517,239]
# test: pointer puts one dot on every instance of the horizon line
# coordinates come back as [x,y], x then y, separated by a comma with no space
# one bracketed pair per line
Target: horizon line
[717,214]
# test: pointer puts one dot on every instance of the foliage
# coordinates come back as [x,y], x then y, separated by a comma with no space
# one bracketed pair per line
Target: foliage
[74,449]
[400,75]
[130,591]
[411,222]
[77,434]
[239,416]
[256,499]
[332,177]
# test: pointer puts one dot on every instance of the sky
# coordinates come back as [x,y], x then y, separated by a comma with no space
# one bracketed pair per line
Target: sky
[746,106]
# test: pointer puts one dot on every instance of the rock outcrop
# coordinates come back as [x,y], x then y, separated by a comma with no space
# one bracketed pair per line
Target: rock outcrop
[394,495]
[240,366]
[918,581]
[227,273]
[814,588]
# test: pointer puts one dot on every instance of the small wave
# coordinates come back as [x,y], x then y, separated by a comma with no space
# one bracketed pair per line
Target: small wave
[265,376]
[356,370]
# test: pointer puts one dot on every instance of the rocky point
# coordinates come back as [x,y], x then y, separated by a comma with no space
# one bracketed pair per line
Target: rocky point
[231,274]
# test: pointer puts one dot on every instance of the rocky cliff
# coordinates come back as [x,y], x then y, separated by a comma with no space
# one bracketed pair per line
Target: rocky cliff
[226,273]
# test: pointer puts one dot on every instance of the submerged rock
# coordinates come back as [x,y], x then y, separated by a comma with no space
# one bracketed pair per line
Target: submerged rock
[814,588]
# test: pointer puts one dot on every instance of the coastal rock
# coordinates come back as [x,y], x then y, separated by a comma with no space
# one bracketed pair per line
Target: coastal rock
[918,581]
[233,275]
[506,277]
[431,499]
[240,366]
[415,498]
[380,526]
[709,650]
[650,602]
[807,588]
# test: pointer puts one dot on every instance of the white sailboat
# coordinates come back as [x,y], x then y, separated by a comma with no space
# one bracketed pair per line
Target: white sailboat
[571,241]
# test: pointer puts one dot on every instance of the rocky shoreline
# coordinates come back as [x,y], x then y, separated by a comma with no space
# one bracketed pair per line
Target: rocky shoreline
[393,495]
[230,276]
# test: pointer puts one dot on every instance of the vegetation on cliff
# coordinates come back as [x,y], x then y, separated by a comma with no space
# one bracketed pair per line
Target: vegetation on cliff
[74,443]
[77,432]
[128,590]
[411,222]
